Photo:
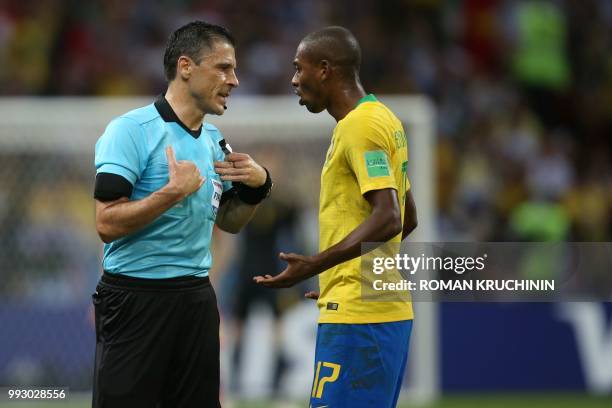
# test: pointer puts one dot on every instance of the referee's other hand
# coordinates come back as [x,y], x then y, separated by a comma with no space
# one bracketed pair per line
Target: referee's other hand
[242,168]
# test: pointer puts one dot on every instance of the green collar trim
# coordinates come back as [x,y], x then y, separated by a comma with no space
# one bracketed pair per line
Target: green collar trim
[367,98]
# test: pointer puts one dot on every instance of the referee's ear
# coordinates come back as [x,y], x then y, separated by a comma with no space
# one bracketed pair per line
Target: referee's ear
[184,66]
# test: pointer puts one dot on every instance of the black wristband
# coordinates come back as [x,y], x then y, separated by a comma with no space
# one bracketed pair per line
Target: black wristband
[254,195]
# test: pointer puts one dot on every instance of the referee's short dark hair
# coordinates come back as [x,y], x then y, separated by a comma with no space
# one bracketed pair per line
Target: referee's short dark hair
[190,40]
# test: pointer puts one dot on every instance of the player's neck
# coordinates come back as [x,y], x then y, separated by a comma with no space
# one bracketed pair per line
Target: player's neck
[184,107]
[344,99]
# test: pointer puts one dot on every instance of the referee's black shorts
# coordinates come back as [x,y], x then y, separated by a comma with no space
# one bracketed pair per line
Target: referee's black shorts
[157,343]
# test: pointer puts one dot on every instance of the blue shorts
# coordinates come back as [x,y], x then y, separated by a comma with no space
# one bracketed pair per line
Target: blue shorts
[360,365]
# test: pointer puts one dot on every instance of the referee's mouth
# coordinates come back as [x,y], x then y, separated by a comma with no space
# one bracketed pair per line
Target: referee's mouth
[224,96]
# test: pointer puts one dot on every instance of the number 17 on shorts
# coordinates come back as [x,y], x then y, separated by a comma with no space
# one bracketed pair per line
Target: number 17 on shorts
[326,373]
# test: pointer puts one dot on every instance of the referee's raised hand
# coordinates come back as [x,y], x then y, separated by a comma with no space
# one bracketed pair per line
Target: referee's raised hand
[185,177]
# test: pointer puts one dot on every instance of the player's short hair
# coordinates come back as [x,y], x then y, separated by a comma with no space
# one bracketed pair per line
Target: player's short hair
[338,46]
[190,40]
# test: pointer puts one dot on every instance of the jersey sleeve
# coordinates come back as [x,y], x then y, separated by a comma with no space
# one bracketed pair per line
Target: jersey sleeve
[118,152]
[368,154]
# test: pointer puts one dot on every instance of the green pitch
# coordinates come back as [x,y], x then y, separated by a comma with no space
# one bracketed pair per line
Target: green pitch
[497,401]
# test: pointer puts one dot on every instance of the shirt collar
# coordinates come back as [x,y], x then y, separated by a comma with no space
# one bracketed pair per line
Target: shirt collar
[168,115]
[367,98]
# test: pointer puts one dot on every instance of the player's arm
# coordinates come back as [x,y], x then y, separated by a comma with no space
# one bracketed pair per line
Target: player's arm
[410,223]
[410,215]
[118,217]
[384,223]
[253,184]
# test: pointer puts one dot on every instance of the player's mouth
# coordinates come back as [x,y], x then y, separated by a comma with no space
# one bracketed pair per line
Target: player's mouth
[301,100]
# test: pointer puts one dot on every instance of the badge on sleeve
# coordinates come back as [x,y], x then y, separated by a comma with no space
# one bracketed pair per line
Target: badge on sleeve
[377,163]
[216,195]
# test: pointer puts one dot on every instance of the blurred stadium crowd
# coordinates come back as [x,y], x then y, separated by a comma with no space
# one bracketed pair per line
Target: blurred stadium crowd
[523,88]
[523,91]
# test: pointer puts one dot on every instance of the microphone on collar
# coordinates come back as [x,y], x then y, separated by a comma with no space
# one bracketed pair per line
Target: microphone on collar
[227,149]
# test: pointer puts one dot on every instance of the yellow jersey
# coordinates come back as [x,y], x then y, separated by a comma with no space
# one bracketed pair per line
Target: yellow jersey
[368,152]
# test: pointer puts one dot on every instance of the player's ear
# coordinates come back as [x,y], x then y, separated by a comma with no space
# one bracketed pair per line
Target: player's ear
[184,66]
[324,69]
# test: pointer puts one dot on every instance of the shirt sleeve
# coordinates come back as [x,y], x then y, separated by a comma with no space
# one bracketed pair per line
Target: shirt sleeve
[117,151]
[368,152]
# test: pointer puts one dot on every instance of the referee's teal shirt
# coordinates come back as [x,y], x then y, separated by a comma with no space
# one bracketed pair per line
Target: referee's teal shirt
[178,242]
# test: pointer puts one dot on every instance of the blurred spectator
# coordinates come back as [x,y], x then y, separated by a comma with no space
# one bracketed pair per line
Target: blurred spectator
[269,233]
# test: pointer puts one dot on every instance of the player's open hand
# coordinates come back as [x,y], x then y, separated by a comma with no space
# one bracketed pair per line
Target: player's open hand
[299,268]
[241,167]
[185,177]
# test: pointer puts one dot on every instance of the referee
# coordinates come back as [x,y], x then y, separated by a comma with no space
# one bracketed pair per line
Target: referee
[163,178]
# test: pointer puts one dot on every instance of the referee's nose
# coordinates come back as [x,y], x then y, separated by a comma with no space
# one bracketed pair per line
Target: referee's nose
[232,79]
